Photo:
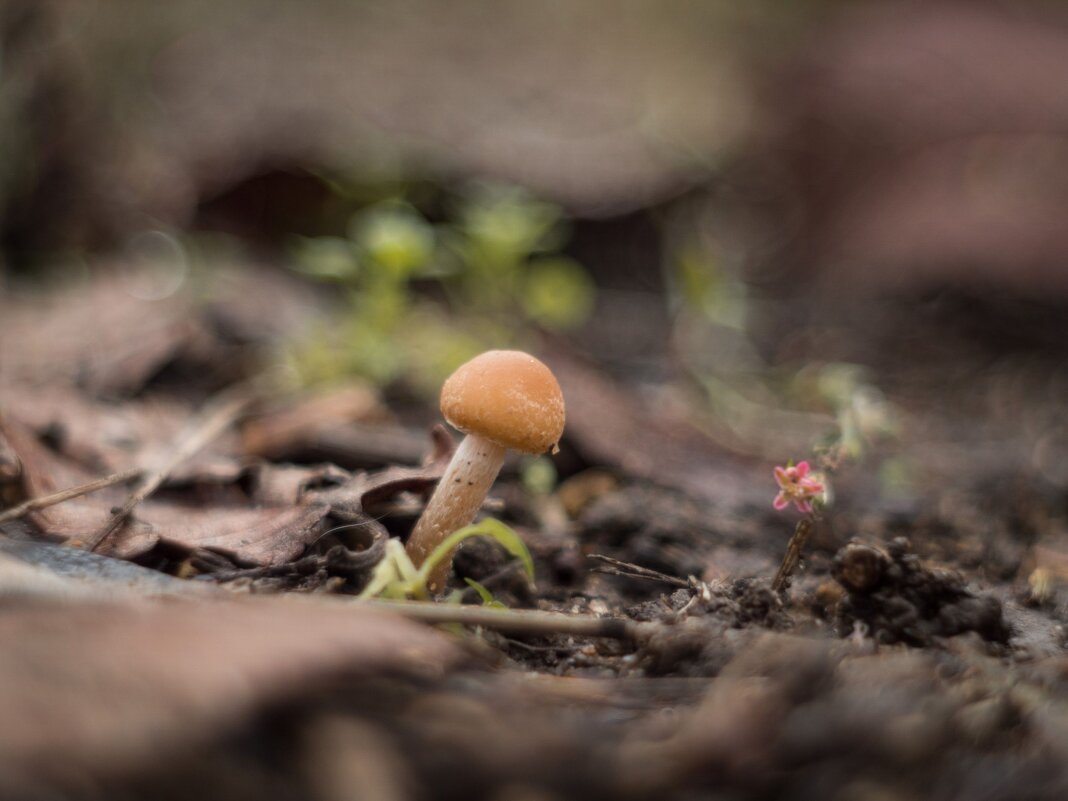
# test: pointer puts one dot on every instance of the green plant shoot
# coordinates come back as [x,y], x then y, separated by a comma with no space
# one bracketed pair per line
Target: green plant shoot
[396,578]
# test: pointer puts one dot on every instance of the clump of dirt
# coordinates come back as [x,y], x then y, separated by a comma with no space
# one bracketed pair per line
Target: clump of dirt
[703,624]
[894,597]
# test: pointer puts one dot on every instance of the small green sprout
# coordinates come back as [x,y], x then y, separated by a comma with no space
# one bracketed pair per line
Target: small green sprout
[487,597]
[397,578]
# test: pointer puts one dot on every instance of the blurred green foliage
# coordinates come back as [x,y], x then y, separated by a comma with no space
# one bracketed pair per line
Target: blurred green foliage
[750,403]
[704,287]
[423,296]
[538,474]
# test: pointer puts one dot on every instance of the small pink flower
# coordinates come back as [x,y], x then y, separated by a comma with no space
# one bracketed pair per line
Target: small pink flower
[798,487]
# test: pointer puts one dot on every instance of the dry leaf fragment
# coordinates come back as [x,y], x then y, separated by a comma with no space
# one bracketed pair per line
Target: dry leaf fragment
[109,437]
[612,426]
[370,493]
[257,535]
[285,484]
[268,536]
[281,432]
[98,334]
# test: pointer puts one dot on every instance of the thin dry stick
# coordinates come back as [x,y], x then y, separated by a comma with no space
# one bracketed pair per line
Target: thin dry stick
[514,621]
[792,556]
[215,418]
[615,567]
[44,501]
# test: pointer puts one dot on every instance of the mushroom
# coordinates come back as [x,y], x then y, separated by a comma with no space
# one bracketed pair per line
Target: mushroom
[500,399]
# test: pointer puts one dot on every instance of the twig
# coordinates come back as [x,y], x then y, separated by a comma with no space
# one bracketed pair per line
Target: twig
[792,556]
[615,567]
[215,418]
[540,649]
[44,501]
[515,621]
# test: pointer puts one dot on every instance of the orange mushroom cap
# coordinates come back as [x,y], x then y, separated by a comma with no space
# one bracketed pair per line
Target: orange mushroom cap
[508,397]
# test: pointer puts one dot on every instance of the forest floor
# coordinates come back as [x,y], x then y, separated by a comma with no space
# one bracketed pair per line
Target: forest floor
[919,650]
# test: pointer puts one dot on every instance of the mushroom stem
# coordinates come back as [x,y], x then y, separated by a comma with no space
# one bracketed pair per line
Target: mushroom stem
[455,502]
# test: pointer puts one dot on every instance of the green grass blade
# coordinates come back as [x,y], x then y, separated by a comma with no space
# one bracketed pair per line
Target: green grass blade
[494,529]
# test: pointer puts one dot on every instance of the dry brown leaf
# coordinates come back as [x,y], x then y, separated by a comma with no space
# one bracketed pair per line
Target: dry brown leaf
[98,689]
[280,432]
[104,333]
[367,493]
[97,333]
[267,535]
[611,425]
[285,484]
[109,437]
[362,445]
[45,472]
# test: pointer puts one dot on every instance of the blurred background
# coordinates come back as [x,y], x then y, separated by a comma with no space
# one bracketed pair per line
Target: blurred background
[761,214]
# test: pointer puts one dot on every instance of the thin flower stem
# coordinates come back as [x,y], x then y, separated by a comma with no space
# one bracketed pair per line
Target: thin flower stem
[792,557]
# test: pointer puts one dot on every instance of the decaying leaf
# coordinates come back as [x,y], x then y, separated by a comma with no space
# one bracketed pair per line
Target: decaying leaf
[258,535]
[118,331]
[44,472]
[270,520]
[100,334]
[281,431]
[610,425]
[269,536]
[283,484]
[108,437]
[368,493]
